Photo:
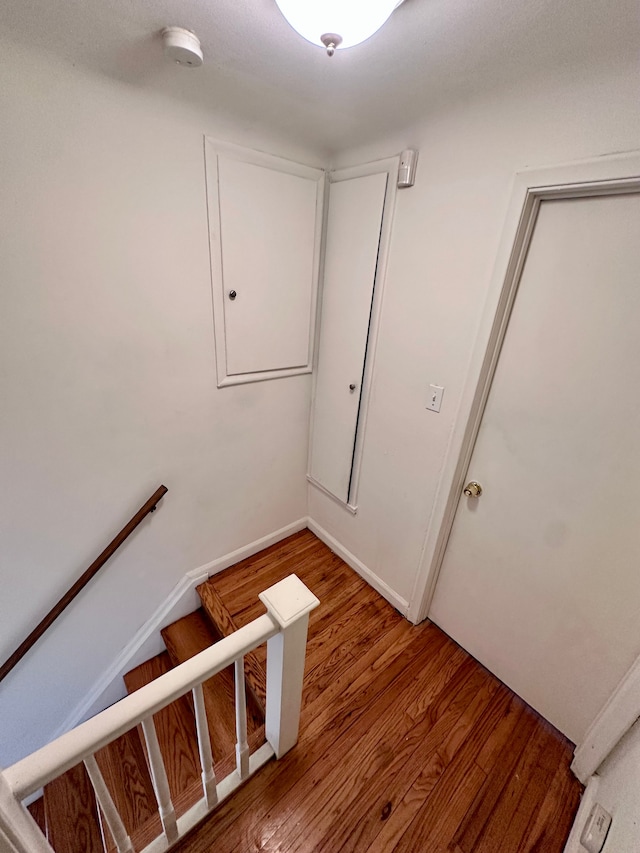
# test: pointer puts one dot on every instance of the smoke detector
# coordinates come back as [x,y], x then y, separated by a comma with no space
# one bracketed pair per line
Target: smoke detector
[182,46]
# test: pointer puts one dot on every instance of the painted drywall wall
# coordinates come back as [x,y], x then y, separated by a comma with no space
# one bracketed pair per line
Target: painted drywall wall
[445,237]
[616,786]
[107,376]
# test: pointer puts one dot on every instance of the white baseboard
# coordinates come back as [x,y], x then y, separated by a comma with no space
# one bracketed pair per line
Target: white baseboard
[240,554]
[357,565]
[588,799]
[147,642]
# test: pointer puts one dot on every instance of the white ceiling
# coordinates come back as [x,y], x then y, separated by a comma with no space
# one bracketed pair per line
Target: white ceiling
[258,68]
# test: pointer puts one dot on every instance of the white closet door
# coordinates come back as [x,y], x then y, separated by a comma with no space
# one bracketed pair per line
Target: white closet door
[351,254]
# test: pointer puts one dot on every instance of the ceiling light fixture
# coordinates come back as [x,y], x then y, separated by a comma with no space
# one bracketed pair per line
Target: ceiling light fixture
[336,24]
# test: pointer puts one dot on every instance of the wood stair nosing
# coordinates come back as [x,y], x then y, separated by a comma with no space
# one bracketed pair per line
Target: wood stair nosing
[223,621]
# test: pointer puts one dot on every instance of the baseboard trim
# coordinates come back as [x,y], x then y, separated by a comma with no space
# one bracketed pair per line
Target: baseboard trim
[357,565]
[240,554]
[147,642]
[588,799]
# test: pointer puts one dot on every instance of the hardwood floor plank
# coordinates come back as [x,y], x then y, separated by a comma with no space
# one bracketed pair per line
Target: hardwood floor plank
[387,826]
[502,736]
[461,701]
[506,744]
[533,791]
[521,794]
[245,816]
[455,656]
[364,749]
[352,623]
[374,758]
[434,826]
[555,816]
[406,743]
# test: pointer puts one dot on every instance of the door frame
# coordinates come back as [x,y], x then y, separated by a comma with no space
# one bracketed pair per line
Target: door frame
[610,175]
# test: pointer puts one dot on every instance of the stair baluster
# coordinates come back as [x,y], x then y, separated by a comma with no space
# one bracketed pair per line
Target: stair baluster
[109,810]
[209,784]
[160,781]
[242,746]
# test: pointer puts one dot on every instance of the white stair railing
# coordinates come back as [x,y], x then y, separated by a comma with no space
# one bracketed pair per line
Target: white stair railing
[283,628]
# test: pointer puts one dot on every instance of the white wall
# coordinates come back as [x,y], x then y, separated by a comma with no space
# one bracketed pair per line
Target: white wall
[107,376]
[444,241]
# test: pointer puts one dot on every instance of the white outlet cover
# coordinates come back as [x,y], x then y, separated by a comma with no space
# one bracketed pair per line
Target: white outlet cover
[595,829]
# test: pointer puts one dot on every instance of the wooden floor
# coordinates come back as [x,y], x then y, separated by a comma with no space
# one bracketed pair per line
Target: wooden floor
[406,742]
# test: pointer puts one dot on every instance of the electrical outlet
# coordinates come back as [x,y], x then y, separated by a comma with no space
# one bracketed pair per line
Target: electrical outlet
[595,829]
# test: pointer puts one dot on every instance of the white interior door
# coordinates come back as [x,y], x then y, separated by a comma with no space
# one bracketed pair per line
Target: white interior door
[541,577]
[354,221]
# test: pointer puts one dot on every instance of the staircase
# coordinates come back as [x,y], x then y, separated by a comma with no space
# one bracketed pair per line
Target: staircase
[68,813]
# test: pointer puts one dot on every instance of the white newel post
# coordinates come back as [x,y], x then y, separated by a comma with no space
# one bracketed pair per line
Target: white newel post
[17,828]
[289,603]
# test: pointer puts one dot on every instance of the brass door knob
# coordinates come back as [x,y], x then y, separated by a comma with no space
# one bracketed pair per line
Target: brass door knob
[473,489]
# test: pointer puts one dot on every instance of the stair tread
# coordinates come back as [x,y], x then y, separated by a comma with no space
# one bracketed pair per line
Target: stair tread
[239,591]
[123,765]
[291,551]
[218,613]
[175,726]
[72,814]
[185,638]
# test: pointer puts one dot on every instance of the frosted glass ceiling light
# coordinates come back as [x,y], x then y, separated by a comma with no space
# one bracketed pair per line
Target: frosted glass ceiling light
[336,23]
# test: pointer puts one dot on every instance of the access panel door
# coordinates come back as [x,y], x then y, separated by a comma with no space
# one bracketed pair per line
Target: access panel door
[265,218]
[354,222]
[541,578]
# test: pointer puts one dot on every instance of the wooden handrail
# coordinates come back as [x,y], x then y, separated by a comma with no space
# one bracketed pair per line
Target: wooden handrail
[82,581]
